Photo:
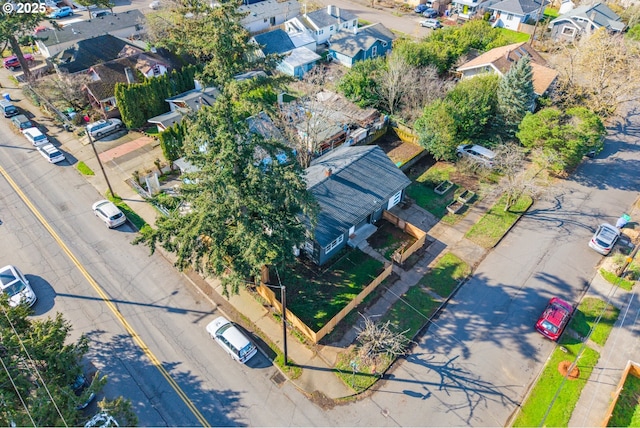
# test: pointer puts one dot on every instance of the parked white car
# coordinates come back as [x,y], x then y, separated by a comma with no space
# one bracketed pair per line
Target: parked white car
[108,212]
[232,340]
[35,136]
[15,285]
[605,238]
[51,153]
[103,127]
[480,154]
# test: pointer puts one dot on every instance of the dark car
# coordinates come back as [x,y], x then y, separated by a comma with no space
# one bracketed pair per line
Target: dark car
[554,319]
[11,63]
[21,122]
[420,8]
[430,13]
[79,387]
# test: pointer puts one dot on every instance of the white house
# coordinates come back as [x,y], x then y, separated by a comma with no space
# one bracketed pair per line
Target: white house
[512,14]
[322,23]
[585,19]
[267,14]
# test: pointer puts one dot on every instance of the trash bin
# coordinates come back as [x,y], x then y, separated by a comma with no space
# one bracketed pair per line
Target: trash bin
[6,97]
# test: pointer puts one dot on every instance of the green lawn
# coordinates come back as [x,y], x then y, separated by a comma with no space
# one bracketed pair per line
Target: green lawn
[84,169]
[412,311]
[444,276]
[551,13]
[615,280]
[514,36]
[587,313]
[316,298]
[626,413]
[421,190]
[533,410]
[488,231]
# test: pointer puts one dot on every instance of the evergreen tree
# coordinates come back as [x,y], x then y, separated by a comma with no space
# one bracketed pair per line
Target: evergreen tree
[515,97]
[245,210]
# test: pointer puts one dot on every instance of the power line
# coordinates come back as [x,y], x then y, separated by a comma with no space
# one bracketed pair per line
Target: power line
[17,392]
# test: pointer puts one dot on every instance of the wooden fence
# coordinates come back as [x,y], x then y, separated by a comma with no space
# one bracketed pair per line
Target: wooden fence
[416,232]
[314,336]
[632,369]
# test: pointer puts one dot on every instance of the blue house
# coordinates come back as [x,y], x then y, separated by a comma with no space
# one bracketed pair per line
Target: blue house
[353,186]
[298,60]
[348,47]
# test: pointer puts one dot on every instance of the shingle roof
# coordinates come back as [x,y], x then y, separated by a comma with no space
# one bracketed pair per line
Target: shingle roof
[268,8]
[194,97]
[274,42]
[361,180]
[321,18]
[91,28]
[349,44]
[518,7]
[86,53]
[599,13]
[301,56]
[504,57]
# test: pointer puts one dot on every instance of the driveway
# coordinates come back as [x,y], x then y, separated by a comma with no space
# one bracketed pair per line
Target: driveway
[477,361]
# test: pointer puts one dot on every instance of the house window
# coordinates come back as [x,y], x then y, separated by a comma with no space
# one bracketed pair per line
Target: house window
[395,200]
[331,28]
[320,32]
[374,51]
[568,31]
[272,21]
[334,244]
[355,22]
[265,20]
[509,17]
[384,44]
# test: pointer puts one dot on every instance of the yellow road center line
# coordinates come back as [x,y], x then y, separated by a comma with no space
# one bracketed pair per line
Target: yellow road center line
[136,338]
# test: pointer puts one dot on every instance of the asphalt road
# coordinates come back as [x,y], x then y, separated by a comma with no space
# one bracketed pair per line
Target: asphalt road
[475,364]
[146,291]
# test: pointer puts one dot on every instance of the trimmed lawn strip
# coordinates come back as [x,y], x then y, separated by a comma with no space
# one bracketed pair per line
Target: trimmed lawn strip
[626,413]
[84,169]
[537,404]
[612,278]
[514,36]
[496,222]
[585,317]
[444,276]
[316,298]
[363,376]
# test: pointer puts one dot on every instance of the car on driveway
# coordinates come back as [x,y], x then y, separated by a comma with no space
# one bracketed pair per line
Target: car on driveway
[109,213]
[61,12]
[605,238]
[554,319]
[155,5]
[421,8]
[477,153]
[11,63]
[99,13]
[430,13]
[231,339]
[431,23]
[104,127]
[16,287]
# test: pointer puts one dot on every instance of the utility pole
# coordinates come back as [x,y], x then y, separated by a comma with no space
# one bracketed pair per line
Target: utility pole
[93,146]
[283,298]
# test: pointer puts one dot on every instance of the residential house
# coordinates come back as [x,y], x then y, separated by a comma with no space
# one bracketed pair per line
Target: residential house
[298,60]
[353,186]
[267,14]
[101,90]
[513,14]
[185,103]
[585,19]
[322,23]
[467,9]
[500,60]
[348,47]
[84,54]
[125,25]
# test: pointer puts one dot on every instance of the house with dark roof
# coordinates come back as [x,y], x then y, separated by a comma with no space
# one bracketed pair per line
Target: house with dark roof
[353,186]
[297,61]
[185,103]
[500,60]
[511,14]
[132,69]
[349,47]
[125,25]
[585,19]
[267,14]
[322,23]
[84,54]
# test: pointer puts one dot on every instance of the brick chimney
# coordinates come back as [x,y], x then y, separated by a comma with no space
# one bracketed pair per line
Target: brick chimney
[327,172]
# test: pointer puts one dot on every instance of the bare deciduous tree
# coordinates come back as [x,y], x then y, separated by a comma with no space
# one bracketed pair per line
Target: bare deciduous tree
[65,88]
[379,339]
[517,180]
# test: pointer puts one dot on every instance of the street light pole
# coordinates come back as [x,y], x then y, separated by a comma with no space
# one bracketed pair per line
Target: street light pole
[283,298]
[100,163]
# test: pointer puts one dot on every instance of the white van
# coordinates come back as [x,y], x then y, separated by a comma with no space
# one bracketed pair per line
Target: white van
[8,109]
[36,137]
[477,153]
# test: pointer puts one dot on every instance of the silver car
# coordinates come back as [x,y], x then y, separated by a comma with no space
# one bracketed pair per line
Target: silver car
[109,213]
[480,154]
[231,339]
[103,127]
[15,285]
[605,238]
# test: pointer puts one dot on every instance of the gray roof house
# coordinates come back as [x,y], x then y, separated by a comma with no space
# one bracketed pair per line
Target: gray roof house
[349,47]
[585,19]
[323,23]
[123,24]
[353,186]
[183,104]
[274,42]
[511,14]
[298,60]
[84,54]
[267,14]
